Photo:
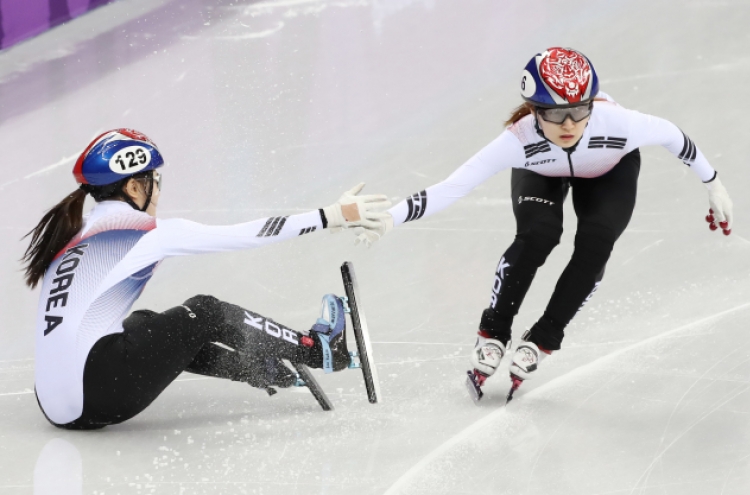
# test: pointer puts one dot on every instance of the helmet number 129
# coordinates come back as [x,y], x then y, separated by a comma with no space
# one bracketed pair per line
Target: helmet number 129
[130,160]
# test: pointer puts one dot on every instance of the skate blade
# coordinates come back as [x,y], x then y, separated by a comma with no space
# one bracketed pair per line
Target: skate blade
[312,384]
[475,391]
[515,384]
[364,353]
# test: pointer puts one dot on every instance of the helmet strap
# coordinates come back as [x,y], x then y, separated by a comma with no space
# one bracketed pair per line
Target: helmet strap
[149,193]
[539,129]
[132,203]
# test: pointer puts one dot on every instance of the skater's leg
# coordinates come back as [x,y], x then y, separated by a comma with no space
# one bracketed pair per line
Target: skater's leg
[261,343]
[537,206]
[126,371]
[604,206]
[219,361]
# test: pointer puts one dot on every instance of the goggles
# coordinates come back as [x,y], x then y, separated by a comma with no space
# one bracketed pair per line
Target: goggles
[157,179]
[558,115]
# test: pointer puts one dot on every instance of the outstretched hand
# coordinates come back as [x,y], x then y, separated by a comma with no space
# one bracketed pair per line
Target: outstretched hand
[352,210]
[720,210]
[368,236]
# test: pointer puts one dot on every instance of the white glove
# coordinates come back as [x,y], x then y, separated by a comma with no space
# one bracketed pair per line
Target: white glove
[721,207]
[370,235]
[356,211]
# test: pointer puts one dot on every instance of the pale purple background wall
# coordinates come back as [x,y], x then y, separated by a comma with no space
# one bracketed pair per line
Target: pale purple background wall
[22,19]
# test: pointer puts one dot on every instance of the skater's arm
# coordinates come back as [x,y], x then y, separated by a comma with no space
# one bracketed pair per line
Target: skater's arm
[647,129]
[650,130]
[496,156]
[175,237]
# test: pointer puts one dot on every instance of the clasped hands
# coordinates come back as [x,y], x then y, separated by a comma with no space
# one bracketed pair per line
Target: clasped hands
[364,214]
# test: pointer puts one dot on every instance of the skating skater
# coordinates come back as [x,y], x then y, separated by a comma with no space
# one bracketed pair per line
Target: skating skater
[565,136]
[97,366]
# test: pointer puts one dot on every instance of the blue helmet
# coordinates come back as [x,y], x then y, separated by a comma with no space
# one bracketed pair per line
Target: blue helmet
[116,155]
[559,77]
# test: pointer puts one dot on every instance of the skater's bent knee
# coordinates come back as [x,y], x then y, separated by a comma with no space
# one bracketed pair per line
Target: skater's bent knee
[203,303]
[538,246]
[592,251]
[546,234]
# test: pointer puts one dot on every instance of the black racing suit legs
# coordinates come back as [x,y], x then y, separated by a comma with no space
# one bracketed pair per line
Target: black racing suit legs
[603,205]
[126,372]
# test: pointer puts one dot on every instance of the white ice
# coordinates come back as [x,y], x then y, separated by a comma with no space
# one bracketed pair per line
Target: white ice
[272,107]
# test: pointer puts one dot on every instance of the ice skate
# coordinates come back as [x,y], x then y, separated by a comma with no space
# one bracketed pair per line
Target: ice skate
[485,359]
[330,330]
[327,340]
[525,363]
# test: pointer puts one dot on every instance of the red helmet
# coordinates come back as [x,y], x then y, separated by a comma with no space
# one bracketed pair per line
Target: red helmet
[559,77]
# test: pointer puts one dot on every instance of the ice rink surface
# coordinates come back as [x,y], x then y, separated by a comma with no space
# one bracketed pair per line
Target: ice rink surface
[275,107]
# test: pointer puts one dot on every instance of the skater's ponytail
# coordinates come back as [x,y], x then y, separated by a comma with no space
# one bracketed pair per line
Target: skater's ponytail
[53,232]
[519,112]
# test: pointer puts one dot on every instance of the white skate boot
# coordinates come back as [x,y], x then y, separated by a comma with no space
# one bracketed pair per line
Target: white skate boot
[526,360]
[525,363]
[485,359]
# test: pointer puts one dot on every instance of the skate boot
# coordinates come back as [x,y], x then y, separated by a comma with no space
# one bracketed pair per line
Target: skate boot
[526,360]
[525,363]
[485,358]
[329,333]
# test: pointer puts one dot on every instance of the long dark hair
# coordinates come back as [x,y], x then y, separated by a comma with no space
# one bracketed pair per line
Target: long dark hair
[519,112]
[64,220]
[53,232]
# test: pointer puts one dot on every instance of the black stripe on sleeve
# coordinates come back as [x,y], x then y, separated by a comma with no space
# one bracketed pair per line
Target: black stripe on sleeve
[272,227]
[323,218]
[265,227]
[688,152]
[685,142]
[417,206]
[277,230]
